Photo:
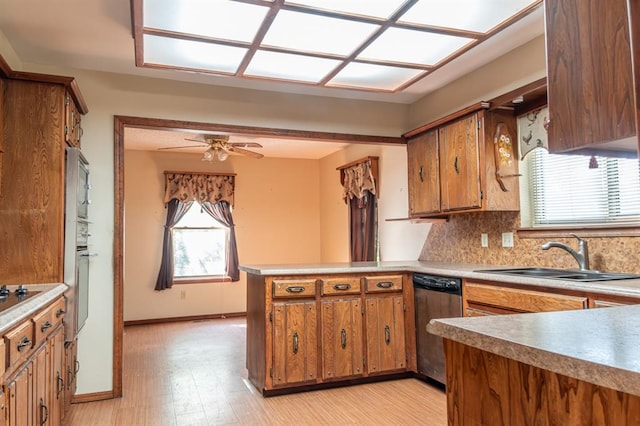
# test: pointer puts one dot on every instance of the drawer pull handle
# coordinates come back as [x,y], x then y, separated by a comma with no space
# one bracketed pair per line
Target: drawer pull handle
[296,342]
[23,343]
[387,334]
[60,312]
[45,326]
[342,287]
[384,284]
[343,338]
[296,289]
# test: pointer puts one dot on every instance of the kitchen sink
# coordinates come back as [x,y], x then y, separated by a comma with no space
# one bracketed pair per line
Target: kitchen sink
[561,274]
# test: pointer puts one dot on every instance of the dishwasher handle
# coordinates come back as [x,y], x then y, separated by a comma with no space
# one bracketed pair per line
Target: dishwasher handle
[440,284]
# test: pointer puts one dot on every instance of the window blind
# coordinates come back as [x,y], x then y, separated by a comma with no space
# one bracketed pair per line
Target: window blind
[565,191]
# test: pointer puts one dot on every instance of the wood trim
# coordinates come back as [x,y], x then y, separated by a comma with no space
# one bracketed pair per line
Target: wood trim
[633,9]
[583,231]
[118,253]
[166,172]
[187,318]
[446,119]
[5,69]
[509,96]
[203,280]
[92,397]
[178,125]
[360,161]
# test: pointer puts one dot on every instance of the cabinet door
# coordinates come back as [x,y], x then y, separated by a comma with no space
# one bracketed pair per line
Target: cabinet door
[424,174]
[70,362]
[20,395]
[385,334]
[589,74]
[41,387]
[56,376]
[342,352]
[295,343]
[460,164]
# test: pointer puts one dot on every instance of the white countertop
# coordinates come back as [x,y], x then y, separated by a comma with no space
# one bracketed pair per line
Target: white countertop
[460,270]
[12,316]
[599,346]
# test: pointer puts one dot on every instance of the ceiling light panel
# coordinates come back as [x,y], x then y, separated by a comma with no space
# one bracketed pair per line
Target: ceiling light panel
[221,19]
[287,66]
[314,33]
[192,54]
[377,8]
[373,77]
[417,47]
[478,16]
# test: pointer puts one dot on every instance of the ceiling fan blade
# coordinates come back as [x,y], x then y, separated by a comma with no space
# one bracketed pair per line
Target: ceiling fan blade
[245,144]
[245,152]
[182,146]
[196,140]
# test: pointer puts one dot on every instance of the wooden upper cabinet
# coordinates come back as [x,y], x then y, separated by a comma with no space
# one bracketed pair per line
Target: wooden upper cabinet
[73,121]
[424,174]
[589,74]
[459,164]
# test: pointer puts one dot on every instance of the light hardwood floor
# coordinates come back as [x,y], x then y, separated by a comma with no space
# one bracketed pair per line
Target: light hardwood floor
[193,373]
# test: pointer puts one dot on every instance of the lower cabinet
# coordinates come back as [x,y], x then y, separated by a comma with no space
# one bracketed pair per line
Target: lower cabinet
[70,369]
[295,343]
[324,329]
[385,334]
[342,354]
[33,390]
[494,298]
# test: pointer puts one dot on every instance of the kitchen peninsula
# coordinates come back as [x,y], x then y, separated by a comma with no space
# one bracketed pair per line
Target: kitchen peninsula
[577,367]
[317,324]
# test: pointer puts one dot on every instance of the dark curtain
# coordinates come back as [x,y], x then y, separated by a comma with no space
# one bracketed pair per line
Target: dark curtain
[175,211]
[363,218]
[221,211]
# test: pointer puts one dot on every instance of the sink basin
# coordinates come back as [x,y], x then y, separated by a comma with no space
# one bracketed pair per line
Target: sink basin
[561,274]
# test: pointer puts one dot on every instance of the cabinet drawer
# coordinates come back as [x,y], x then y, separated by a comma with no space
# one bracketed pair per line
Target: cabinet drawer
[383,283]
[43,325]
[19,342]
[347,285]
[294,288]
[520,300]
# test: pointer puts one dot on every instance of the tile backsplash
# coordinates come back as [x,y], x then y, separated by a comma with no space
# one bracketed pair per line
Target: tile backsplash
[458,240]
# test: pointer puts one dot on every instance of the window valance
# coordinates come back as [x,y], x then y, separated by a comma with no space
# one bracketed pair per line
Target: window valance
[359,176]
[200,187]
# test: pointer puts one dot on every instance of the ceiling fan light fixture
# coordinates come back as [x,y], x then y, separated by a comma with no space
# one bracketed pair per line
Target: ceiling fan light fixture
[222,154]
[208,155]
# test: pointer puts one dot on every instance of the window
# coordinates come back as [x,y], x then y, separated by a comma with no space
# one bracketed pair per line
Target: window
[199,247]
[564,190]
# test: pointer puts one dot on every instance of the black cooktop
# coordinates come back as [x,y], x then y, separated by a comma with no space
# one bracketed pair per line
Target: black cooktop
[10,298]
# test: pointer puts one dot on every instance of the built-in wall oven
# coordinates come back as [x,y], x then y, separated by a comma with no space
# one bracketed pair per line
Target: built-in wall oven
[77,255]
[435,297]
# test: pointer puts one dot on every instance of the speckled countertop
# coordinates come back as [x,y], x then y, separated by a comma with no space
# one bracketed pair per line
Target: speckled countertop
[460,270]
[598,346]
[12,316]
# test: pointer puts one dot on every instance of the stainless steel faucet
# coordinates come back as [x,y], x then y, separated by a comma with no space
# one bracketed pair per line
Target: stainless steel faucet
[581,256]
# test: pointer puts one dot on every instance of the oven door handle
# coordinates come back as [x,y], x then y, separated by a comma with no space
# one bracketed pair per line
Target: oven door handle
[87,254]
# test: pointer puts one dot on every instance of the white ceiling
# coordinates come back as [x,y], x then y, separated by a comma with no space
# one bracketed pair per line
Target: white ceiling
[97,35]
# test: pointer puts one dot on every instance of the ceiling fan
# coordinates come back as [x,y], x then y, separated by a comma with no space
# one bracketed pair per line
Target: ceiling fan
[219,147]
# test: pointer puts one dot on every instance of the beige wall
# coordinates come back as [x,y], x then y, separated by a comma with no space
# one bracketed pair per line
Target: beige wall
[399,240]
[272,226]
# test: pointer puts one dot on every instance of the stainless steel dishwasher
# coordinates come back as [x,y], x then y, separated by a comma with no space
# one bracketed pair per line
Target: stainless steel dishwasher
[435,297]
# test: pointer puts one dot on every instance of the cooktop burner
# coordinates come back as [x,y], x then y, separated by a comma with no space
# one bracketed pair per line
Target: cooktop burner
[9,298]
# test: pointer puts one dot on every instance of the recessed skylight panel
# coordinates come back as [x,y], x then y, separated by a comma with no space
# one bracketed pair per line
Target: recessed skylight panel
[417,47]
[285,66]
[373,77]
[478,16]
[192,54]
[375,8]
[221,19]
[314,33]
